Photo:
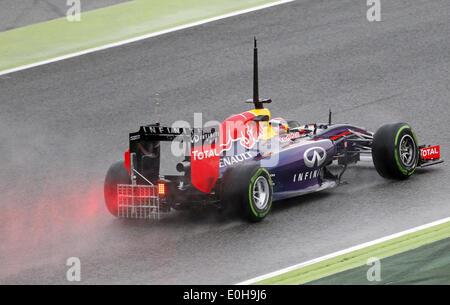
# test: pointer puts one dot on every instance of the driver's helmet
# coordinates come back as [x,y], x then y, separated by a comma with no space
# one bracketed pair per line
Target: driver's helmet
[279,126]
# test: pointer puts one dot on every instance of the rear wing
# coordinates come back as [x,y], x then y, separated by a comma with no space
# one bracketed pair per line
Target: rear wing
[144,153]
[167,133]
[190,136]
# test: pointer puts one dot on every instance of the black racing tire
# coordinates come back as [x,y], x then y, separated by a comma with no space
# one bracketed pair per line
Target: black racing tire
[395,151]
[239,188]
[117,174]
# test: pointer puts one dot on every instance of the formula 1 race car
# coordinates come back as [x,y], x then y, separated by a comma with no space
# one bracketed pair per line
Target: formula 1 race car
[251,160]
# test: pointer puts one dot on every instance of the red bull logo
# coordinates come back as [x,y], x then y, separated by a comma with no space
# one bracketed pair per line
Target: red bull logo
[239,128]
[205,158]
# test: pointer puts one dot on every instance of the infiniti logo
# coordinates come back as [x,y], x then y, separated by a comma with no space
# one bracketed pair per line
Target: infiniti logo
[318,156]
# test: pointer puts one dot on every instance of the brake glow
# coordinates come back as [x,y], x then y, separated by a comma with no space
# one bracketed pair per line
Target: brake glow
[161,189]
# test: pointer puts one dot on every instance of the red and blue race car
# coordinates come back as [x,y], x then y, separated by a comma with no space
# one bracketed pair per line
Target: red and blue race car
[251,160]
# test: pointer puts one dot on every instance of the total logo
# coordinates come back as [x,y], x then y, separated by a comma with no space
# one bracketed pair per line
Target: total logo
[200,155]
[314,156]
[430,152]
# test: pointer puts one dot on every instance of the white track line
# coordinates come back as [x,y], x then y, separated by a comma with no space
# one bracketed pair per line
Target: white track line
[335,254]
[122,42]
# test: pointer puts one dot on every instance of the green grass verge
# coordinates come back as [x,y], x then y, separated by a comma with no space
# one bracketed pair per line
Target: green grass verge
[359,257]
[426,265]
[60,37]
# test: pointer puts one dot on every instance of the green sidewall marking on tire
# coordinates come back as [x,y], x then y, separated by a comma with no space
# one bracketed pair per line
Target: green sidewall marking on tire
[400,167]
[252,180]
[398,133]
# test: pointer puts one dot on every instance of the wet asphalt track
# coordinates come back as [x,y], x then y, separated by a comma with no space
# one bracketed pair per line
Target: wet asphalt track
[61,125]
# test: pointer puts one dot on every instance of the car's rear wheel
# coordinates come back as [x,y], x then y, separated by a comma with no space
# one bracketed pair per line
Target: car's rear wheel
[248,189]
[395,151]
[117,174]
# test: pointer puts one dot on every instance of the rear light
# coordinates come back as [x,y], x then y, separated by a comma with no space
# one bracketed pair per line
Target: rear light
[127,162]
[161,189]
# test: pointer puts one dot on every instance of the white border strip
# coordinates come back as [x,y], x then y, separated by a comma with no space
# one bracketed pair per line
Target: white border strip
[122,42]
[335,254]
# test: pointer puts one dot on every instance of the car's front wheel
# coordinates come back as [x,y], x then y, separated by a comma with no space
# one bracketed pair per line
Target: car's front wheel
[395,151]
